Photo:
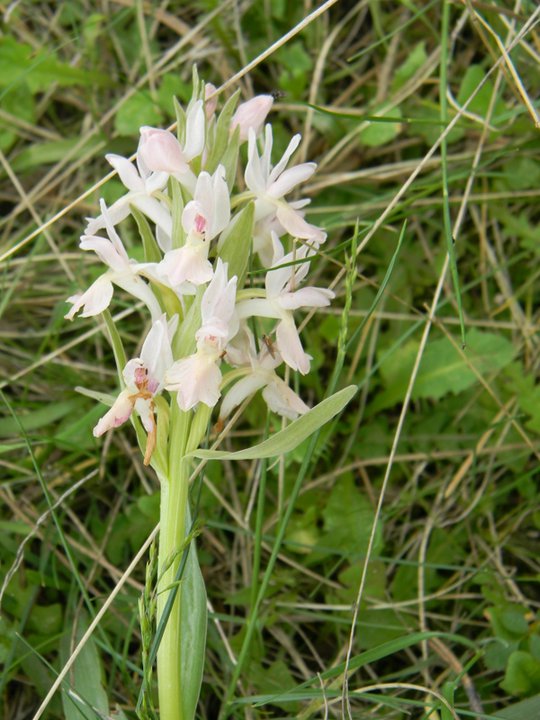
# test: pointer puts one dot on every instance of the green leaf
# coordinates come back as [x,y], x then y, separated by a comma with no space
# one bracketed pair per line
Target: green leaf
[414,61]
[222,134]
[138,110]
[444,369]
[380,133]
[529,708]
[36,419]
[235,242]
[289,438]
[86,699]
[474,75]
[47,153]
[193,623]
[522,675]
[152,252]
[21,63]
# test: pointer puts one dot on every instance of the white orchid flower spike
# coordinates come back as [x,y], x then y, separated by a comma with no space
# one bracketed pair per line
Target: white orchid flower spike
[271,184]
[122,272]
[197,378]
[144,378]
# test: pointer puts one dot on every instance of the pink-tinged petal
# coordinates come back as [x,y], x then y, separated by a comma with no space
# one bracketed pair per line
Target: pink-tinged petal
[194,218]
[186,264]
[241,390]
[290,347]
[290,178]
[251,115]
[105,251]
[127,172]
[195,131]
[117,415]
[282,164]
[306,297]
[160,151]
[210,100]
[196,379]
[282,400]
[132,374]
[295,225]
[94,301]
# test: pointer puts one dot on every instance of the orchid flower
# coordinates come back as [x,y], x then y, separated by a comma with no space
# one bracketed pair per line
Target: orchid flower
[122,272]
[159,150]
[203,219]
[250,115]
[271,184]
[260,369]
[197,378]
[144,379]
[282,298]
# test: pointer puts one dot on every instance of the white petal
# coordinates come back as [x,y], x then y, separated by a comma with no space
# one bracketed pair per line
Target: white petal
[186,264]
[306,297]
[126,172]
[160,151]
[105,251]
[282,400]
[132,284]
[94,301]
[156,352]
[282,164]
[295,225]
[195,130]
[241,390]
[154,210]
[290,178]
[117,415]
[195,379]
[290,347]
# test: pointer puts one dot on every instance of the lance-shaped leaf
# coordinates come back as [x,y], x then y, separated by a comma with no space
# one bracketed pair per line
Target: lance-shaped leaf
[286,440]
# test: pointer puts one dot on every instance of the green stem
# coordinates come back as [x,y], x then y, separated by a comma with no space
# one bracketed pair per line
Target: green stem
[174,496]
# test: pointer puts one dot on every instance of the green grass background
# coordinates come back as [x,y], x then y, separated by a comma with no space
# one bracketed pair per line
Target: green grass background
[407,581]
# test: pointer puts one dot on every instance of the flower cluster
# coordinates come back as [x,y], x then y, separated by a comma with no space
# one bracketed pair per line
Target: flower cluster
[211,233]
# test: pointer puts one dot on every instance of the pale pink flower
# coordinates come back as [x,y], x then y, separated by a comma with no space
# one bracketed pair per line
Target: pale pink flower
[144,378]
[197,378]
[250,115]
[271,184]
[203,219]
[260,374]
[282,298]
[123,272]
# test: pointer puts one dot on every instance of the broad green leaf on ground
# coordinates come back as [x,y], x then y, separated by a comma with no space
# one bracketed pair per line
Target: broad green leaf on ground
[522,677]
[138,110]
[86,698]
[381,132]
[36,419]
[529,708]
[20,63]
[414,61]
[479,105]
[287,439]
[46,153]
[444,369]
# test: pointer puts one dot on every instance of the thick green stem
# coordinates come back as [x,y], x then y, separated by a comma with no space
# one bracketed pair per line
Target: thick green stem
[174,496]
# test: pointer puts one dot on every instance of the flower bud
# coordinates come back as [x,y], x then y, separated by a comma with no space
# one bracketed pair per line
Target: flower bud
[252,114]
[160,151]
[210,105]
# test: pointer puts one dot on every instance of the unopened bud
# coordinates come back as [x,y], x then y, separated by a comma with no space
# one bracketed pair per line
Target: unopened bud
[210,104]
[252,114]
[160,151]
